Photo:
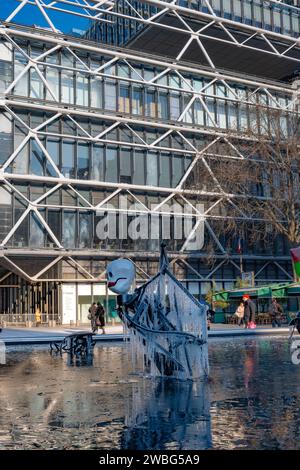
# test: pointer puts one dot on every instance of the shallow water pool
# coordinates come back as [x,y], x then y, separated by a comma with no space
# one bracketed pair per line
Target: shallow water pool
[251,401]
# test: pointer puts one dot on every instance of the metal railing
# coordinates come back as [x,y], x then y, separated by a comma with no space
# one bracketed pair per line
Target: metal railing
[30,319]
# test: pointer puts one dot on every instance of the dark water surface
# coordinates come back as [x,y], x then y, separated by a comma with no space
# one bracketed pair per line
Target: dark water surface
[252,401]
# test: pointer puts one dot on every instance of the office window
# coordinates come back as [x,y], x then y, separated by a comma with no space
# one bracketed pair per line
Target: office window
[37,159]
[232,115]
[82,90]
[137,100]
[37,232]
[5,75]
[198,112]
[247,12]
[174,105]
[267,17]
[67,87]
[125,166]
[21,87]
[138,167]
[163,105]
[111,165]
[68,159]
[221,114]
[110,95]
[96,92]
[227,8]
[6,137]
[165,170]
[257,13]
[150,104]
[277,19]
[237,10]
[124,98]
[177,170]
[52,76]
[286,21]
[97,162]
[85,230]
[69,230]
[83,161]
[152,169]
[21,161]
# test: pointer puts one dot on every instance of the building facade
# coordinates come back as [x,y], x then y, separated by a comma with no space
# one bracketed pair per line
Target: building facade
[101,133]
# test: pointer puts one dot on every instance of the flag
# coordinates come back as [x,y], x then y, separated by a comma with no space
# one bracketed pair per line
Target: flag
[295,252]
[239,247]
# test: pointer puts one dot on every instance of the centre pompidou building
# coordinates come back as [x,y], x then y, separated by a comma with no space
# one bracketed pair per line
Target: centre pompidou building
[106,108]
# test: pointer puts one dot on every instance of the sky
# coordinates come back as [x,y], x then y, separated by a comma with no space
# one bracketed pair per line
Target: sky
[30,15]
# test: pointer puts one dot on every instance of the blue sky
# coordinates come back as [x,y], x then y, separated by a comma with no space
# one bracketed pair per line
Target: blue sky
[30,15]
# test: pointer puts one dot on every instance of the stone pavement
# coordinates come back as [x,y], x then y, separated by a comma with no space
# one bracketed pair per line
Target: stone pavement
[44,335]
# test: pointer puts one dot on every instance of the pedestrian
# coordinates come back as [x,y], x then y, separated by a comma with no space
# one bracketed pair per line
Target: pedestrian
[249,312]
[92,317]
[210,317]
[38,316]
[275,311]
[240,311]
[100,317]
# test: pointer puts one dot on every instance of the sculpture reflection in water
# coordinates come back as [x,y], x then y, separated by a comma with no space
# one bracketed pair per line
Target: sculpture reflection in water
[166,324]
[168,414]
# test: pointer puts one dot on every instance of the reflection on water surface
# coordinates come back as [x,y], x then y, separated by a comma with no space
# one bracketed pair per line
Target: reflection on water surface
[251,401]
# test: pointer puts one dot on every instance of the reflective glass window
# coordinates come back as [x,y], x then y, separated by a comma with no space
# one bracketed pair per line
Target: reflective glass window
[152,169]
[69,229]
[68,159]
[83,161]
[111,165]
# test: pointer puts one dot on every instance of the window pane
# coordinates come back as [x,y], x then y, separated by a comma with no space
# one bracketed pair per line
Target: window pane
[110,95]
[68,159]
[67,85]
[98,163]
[137,101]
[165,176]
[85,230]
[82,90]
[111,165]
[83,161]
[139,167]
[96,93]
[69,230]
[152,172]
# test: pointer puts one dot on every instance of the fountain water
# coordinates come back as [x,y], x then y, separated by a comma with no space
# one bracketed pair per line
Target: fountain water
[166,324]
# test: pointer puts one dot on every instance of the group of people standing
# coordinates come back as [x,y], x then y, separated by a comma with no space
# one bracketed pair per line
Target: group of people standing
[97,317]
[246,313]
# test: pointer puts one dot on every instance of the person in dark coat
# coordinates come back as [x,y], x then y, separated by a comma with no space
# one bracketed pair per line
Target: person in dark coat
[100,317]
[276,312]
[92,317]
[249,311]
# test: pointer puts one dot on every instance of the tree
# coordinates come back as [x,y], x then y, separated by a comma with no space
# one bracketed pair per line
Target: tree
[259,185]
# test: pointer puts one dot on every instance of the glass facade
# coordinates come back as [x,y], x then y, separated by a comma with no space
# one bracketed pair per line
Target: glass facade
[83,125]
[279,18]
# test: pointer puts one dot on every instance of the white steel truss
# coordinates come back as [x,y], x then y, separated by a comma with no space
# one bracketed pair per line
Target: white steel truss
[264,92]
[109,11]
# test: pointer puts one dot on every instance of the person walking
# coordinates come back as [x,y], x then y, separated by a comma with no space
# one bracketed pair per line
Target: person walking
[240,311]
[92,317]
[100,317]
[249,312]
[276,311]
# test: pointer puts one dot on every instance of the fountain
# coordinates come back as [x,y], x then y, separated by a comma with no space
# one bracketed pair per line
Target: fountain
[166,324]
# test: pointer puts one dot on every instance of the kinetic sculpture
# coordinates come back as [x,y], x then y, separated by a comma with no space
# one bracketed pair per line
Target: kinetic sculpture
[166,324]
